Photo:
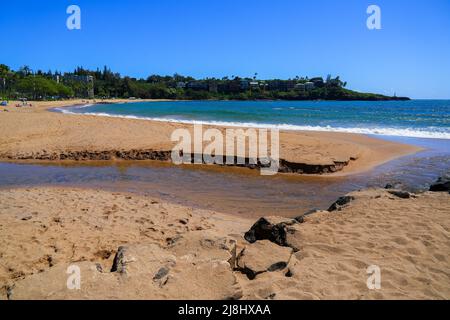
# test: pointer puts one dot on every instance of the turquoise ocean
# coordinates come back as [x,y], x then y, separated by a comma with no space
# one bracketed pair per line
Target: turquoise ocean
[415,118]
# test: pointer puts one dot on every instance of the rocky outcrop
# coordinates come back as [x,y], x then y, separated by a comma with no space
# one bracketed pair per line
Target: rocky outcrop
[442,184]
[139,272]
[281,231]
[263,256]
[341,203]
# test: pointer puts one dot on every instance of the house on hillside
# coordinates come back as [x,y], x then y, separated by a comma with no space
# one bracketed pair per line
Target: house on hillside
[309,86]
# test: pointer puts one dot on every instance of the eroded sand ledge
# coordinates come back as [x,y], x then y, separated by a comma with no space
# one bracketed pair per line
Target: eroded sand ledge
[133,247]
[37,134]
[165,156]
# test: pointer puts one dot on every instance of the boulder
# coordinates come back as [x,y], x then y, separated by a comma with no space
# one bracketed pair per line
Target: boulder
[205,246]
[341,203]
[442,184]
[263,256]
[284,232]
[270,228]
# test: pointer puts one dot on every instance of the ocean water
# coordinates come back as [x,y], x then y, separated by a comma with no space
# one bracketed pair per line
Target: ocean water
[415,118]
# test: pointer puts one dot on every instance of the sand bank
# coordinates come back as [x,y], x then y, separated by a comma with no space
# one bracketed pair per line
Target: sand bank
[130,246]
[34,133]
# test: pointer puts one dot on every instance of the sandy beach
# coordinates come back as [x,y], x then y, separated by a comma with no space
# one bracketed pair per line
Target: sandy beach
[133,247]
[32,133]
[130,246]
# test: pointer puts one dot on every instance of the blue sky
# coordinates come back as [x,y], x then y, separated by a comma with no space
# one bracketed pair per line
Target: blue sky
[410,55]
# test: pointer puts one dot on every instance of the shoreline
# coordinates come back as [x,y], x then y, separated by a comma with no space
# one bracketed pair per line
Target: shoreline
[377,133]
[317,152]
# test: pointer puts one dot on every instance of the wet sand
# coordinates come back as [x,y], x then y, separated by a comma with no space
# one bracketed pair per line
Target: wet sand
[237,191]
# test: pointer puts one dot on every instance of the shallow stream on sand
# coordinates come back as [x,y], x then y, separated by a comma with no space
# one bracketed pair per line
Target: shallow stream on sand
[234,191]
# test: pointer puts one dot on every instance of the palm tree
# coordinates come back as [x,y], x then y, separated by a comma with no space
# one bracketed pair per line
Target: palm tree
[25,70]
[4,69]
[4,73]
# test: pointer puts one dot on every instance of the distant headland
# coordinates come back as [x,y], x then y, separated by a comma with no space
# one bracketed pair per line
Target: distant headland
[26,83]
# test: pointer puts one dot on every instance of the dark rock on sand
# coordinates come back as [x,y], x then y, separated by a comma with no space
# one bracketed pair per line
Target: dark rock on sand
[269,228]
[442,184]
[119,263]
[340,203]
[281,231]
[164,271]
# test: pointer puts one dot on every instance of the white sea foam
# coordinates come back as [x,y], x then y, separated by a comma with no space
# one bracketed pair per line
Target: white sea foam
[397,132]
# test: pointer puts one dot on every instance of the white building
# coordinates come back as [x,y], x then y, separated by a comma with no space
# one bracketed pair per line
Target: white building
[309,86]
